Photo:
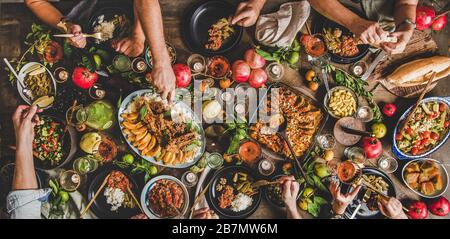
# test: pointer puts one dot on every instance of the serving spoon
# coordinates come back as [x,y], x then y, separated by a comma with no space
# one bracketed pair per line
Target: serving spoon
[282,133]
[25,90]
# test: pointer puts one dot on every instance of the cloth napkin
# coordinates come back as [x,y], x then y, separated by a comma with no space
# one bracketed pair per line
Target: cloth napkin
[280,28]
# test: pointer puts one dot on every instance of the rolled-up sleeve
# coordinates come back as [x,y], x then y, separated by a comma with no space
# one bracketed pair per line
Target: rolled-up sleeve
[26,204]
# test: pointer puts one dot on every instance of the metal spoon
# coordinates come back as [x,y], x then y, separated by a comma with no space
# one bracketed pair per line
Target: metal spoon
[25,91]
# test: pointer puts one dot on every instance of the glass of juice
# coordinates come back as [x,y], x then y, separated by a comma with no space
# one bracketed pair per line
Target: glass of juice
[250,152]
[348,172]
[315,46]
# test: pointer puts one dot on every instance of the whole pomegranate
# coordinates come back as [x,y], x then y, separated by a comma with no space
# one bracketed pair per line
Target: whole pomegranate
[254,60]
[424,17]
[182,75]
[439,23]
[417,210]
[258,78]
[83,78]
[439,206]
[240,71]
[372,147]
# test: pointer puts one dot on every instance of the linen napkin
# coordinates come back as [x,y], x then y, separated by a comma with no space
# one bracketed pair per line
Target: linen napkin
[280,28]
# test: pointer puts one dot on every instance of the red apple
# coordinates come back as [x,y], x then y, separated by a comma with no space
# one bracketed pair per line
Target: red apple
[417,210]
[83,78]
[439,206]
[372,147]
[389,110]
[439,23]
[182,75]
[424,17]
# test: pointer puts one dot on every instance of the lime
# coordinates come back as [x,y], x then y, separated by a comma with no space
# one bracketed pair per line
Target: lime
[128,158]
[107,124]
[97,60]
[294,57]
[153,170]
[64,196]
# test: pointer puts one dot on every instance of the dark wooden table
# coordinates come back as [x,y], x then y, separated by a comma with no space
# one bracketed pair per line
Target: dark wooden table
[15,21]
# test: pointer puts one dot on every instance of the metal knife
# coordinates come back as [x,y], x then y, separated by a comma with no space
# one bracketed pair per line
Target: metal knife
[381,55]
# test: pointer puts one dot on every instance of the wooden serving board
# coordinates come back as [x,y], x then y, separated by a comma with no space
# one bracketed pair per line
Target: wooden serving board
[421,45]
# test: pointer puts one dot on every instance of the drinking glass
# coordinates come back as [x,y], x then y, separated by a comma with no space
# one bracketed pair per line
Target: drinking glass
[387,163]
[355,154]
[69,180]
[326,141]
[122,63]
[85,165]
[214,160]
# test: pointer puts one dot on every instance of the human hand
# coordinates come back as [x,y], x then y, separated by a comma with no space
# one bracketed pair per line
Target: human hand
[391,208]
[403,37]
[163,78]
[24,119]
[341,201]
[203,213]
[131,46]
[78,40]
[247,13]
[290,192]
[369,32]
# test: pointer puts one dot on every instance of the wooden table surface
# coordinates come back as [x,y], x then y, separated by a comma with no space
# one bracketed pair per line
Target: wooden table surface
[18,16]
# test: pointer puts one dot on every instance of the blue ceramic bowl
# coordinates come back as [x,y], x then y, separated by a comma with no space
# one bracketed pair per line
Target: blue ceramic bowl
[405,156]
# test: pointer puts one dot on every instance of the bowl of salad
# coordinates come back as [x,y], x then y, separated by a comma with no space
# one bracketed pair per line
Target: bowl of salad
[426,131]
[53,146]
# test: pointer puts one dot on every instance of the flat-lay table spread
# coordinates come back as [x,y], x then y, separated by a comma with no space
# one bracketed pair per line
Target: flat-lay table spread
[109,148]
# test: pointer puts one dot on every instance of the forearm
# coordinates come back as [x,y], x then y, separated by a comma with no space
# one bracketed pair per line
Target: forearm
[405,9]
[149,14]
[137,28]
[334,10]
[258,3]
[292,213]
[45,11]
[24,174]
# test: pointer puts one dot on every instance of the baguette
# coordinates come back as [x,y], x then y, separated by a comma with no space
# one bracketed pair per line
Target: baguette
[415,72]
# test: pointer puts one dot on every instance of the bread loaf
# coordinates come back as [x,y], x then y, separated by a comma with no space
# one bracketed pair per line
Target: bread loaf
[417,72]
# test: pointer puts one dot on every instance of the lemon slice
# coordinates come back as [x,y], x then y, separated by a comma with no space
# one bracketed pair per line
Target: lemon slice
[37,71]
[107,124]
[44,101]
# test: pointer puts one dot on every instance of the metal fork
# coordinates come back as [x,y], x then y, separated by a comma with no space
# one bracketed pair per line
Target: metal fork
[97,35]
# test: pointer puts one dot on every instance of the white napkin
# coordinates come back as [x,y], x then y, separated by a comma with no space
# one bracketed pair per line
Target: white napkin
[280,28]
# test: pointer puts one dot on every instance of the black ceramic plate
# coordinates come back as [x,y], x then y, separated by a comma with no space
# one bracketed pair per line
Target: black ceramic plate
[198,19]
[69,147]
[103,210]
[364,212]
[320,23]
[213,195]
[109,13]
